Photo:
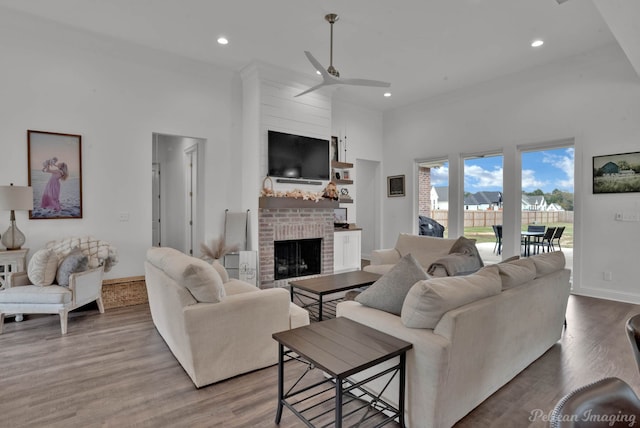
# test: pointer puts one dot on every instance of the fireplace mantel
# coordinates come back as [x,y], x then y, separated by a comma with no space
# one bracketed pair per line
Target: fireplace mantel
[275,202]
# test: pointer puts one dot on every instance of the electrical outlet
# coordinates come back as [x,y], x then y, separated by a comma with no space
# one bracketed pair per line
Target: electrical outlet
[607,276]
[123,216]
[618,217]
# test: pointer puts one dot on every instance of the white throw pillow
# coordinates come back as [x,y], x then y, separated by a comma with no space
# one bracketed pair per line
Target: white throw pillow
[222,271]
[547,263]
[429,300]
[517,272]
[42,267]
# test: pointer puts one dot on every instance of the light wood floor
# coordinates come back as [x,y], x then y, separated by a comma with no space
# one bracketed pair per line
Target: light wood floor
[114,370]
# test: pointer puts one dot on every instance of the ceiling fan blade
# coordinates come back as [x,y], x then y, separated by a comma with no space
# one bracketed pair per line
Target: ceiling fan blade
[365,82]
[313,88]
[316,64]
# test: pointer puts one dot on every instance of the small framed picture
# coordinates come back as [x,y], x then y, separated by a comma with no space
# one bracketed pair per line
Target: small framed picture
[395,186]
[334,148]
[339,215]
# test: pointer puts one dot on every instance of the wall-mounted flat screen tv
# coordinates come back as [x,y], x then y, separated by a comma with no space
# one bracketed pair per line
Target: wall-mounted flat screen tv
[296,156]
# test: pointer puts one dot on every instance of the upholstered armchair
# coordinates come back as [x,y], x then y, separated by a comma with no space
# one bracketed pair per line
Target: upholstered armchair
[22,297]
[61,277]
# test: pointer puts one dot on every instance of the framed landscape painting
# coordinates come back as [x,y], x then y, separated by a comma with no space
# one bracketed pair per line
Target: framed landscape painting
[55,174]
[616,173]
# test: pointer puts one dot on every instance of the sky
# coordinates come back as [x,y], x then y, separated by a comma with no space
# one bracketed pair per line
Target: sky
[546,170]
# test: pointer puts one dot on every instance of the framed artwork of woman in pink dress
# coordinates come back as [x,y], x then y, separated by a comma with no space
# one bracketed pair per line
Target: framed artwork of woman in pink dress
[55,174]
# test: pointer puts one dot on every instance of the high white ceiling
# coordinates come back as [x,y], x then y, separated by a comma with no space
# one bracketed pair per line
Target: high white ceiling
[423,47]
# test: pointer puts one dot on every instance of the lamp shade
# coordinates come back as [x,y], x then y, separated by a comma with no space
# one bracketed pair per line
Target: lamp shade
[16,198]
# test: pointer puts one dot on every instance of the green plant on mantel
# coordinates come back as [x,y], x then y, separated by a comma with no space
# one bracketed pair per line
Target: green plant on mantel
[217,249]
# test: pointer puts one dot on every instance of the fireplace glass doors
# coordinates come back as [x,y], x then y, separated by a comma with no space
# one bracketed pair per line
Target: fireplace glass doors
[296,258]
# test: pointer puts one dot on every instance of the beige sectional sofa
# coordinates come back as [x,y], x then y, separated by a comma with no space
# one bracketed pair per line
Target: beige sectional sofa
[215,326]
[470,351]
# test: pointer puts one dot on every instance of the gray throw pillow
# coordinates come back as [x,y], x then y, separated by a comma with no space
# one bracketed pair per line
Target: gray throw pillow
[73,262]
[388,293]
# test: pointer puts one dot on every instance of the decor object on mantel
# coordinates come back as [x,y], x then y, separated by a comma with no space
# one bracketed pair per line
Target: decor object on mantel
[331,191]
[295,193]
[15,198]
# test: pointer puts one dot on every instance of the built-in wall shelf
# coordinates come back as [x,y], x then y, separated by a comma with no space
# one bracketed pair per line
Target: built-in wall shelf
[342,181]
[275,202]
[343,165]
[346,201]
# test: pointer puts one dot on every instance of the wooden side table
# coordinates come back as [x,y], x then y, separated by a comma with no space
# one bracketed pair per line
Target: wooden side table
[340,347]
[12,261]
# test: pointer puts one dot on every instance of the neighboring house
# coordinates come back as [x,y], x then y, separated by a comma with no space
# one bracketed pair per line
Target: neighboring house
[554,207]
[534,203]
[481,201]
[440,198]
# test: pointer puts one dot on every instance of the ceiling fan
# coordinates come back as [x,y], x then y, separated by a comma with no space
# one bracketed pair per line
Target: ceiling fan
[331,76]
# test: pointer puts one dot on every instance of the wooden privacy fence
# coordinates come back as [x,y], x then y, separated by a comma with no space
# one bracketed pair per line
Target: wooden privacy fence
[489,218]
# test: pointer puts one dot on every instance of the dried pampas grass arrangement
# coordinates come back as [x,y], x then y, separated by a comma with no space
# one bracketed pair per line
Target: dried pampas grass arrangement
[217,249]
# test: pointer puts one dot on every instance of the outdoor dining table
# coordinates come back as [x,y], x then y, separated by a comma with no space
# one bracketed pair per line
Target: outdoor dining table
[527,240]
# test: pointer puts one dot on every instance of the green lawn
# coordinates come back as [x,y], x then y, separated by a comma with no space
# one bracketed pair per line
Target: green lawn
[485,234]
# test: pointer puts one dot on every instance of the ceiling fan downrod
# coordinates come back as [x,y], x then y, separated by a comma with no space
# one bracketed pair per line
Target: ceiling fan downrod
[331,19]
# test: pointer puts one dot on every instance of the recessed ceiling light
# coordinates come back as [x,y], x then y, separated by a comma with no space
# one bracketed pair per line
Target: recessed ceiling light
[537,43]
[318,73]
[222,40]
[387,94]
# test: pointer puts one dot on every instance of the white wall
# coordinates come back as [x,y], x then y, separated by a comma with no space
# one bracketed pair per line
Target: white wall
[593,98]
[116,96]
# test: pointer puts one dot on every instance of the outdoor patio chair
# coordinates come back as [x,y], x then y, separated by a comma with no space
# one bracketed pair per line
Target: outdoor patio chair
[545,241]
[497,230]
[556,236]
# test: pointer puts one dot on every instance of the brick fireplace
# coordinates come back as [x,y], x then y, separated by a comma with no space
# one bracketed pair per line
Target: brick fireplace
[293,220]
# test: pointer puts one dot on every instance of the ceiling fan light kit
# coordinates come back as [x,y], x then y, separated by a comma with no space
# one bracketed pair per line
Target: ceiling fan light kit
[331,76]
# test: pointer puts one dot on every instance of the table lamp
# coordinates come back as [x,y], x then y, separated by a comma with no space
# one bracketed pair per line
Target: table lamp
[15,198]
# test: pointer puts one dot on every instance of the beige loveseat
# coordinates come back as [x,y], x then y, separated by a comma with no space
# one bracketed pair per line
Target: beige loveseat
[470,351]
[428,252]
[215,326]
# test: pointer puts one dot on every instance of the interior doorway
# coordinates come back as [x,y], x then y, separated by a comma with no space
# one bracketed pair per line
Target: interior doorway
[177,195]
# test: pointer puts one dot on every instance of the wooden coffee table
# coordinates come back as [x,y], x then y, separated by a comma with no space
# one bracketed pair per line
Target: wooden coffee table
[341,348]
[311,293]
